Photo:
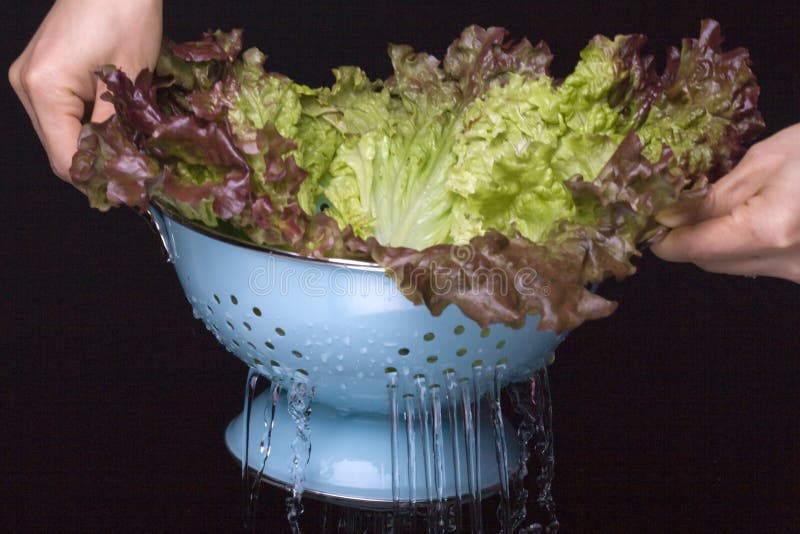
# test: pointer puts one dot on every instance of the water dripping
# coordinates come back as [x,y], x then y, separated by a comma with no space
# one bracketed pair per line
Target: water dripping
[543,445]
[249,392]
[439,516]
[533,405]
[300,397]
[452,412]
[522,402]
[411,450]
[427,446]
[265,446]
[477,379]
[394,435]
[471,439]
[501,448]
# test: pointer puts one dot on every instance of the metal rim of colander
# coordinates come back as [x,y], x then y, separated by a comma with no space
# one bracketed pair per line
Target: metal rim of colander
[357,265]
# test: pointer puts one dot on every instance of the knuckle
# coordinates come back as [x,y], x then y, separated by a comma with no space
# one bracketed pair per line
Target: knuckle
[780,231]
[765,156]
[60,169]
[784,234]
[33,80]
[14,75]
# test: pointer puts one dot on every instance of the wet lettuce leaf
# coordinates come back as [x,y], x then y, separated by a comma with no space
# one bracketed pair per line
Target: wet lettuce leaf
[477,180]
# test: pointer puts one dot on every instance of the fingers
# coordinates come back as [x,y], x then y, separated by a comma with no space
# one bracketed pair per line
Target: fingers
[57,111]
[15,78]
[723,238]
[780,265]
[732,190]
[759,237]
[746,180]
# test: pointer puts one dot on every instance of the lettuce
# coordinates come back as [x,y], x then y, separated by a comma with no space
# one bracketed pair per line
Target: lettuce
[477,180]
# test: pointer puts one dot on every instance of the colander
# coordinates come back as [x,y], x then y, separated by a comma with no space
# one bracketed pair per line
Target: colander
[395,390]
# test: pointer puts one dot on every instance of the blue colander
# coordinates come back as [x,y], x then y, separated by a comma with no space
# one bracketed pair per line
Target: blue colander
[380,369]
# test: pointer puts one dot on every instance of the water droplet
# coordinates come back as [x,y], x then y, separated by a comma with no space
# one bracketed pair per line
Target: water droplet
[340,368]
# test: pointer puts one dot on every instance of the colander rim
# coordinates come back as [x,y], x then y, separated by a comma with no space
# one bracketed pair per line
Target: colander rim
[231,240]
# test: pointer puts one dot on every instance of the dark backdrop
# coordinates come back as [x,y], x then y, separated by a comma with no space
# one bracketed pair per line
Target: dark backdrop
[680,412]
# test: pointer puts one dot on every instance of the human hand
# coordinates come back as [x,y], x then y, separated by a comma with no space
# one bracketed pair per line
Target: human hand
[749,223]
[54,76]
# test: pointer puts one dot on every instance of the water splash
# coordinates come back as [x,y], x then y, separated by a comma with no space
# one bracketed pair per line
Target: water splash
[300,397]
[543,445]
[532,403]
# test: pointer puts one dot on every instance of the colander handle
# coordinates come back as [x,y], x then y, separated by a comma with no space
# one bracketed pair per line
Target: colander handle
[162,228]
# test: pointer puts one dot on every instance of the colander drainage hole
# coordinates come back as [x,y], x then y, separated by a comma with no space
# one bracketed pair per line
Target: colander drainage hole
[429,336]
[462,351]
[403,352]
[251,345]
[269,345]
[216,297]
[501,344]
[209,308]
[230,324]
[234,300]
[247,325]
[432,359]
[256,312]
[280,331]
[297,353]
[485,332]
[458,330]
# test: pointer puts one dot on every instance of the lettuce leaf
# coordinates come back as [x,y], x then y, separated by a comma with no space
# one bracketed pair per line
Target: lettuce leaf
[476,180]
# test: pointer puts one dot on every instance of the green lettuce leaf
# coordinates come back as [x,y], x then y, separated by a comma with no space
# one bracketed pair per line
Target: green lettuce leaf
[476,180]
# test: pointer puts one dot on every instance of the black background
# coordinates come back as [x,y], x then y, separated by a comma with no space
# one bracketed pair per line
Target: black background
[678,413]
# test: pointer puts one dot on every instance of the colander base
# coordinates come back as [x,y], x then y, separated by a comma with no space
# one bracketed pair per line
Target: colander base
[351,456]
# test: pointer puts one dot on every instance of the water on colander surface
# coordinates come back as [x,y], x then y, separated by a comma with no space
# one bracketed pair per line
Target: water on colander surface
[518,504]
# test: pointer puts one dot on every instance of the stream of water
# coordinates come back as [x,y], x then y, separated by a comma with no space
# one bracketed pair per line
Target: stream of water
[441,428]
